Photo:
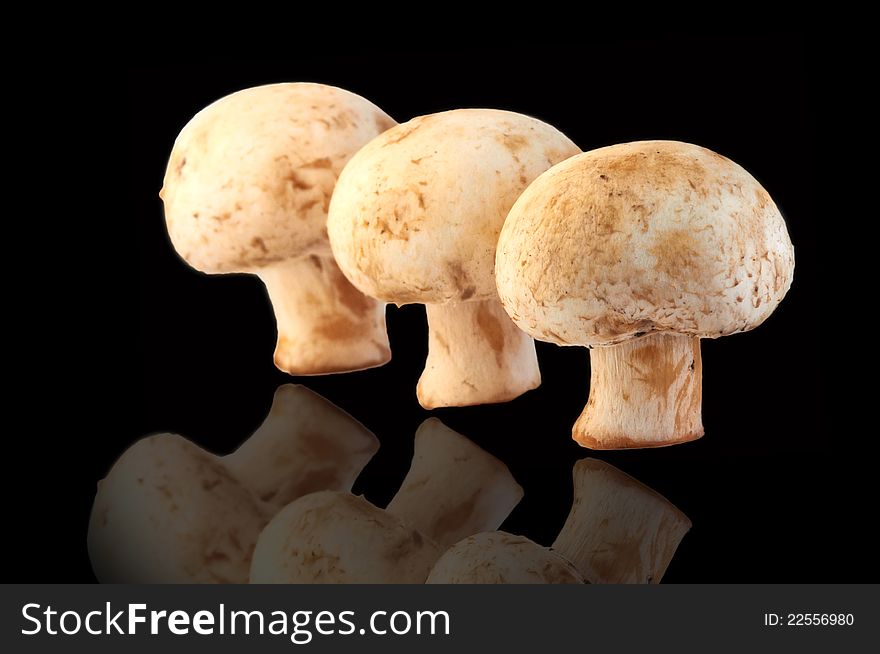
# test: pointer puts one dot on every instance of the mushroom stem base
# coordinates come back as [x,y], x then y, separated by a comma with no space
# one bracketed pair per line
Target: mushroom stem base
[643,393]
[325,325]
[476,355]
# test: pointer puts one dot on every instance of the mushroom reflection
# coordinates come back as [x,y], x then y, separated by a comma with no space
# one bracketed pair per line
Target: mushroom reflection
[170,512]
[618,531]
[453,489]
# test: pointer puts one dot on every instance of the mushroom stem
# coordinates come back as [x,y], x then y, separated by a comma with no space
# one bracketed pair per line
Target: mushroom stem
[325,324]
[476,355]
[453,488]
[643,393]
[618,531]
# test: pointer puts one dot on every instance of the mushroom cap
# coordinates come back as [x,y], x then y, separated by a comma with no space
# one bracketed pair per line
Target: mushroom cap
[169,512]
[416,213]
[496,557]
[652,236]
[250,176]
[335,537]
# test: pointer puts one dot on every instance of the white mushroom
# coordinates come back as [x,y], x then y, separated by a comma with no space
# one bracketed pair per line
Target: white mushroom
[415,219]
[452,489]
[247,189]
[619,531]
[638,251]
[169,512]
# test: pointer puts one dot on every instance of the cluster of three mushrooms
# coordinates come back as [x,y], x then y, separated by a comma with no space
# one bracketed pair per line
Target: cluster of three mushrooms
[637,250]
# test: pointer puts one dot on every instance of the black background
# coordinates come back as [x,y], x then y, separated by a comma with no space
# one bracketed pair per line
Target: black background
[766,492]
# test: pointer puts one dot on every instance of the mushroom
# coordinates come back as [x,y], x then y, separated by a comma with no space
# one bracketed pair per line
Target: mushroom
[246,191]
[618,531]
[497,557]
[169,512]
[415,219]
[638,251]
[453,489]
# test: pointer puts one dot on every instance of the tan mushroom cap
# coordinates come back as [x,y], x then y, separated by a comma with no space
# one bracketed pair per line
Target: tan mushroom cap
[497,557]
[250,176]
[416,213]
[652,236]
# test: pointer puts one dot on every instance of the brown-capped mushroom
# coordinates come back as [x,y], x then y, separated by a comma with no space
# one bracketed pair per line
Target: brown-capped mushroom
[247,189]
[453,489]
[170,512]
[415,219]
[638,251]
